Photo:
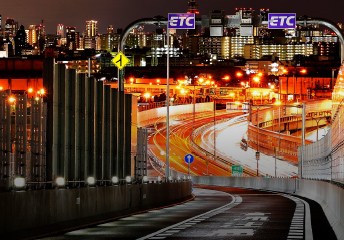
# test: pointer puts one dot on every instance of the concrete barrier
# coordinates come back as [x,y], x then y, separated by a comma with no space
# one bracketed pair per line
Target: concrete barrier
[32,213]
[329,196]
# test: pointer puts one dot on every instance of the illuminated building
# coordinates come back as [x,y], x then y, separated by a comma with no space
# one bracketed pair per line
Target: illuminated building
[20,40]
[192,7]
[61,30]
[238,44]
[81,65]
[72,38]
[31,35]
[282,51]
[91,28]
[11,27]
[109,41]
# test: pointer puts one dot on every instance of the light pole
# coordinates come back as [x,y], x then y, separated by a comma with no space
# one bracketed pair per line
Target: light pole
[214,129]
[317,121]
[258,141]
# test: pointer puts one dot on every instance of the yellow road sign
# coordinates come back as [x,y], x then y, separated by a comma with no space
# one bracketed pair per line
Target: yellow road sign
[120,60]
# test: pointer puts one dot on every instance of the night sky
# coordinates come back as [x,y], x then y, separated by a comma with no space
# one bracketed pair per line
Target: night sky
[120,13]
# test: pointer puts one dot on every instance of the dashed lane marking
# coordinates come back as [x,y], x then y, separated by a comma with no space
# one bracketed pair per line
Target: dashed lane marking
[236,200]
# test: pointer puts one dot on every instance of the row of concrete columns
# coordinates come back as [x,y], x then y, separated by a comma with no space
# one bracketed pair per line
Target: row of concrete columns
[92,129]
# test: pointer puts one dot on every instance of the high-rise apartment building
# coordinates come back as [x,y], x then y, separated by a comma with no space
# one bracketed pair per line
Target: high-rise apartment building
[72,38]
[31,35]
[282,51]
[91,28]
[61,31]
[11,27]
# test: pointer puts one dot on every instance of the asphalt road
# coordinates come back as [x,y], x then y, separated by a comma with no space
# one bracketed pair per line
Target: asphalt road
[220,213]
[180,131]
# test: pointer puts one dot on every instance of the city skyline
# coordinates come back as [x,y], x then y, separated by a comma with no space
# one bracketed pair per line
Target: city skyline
[121,13]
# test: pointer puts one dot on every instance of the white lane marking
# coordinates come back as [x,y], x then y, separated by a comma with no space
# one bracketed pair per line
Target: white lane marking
[302,211]
[236,200]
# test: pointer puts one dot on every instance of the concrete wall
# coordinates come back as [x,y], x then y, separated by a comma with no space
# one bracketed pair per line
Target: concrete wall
[33,209]
[329,196]
[148,117]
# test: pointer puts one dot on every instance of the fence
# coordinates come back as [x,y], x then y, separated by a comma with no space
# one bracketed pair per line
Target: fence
[324,159]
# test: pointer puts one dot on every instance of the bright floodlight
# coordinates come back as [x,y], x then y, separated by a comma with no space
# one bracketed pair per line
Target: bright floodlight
[145,178]
[128,179]
[91,181]
[159,178]
[19,182]
[162,153]
[170,178]
[60,181]
[115,180]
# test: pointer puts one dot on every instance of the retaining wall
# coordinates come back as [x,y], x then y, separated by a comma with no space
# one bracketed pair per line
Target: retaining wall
[36,211]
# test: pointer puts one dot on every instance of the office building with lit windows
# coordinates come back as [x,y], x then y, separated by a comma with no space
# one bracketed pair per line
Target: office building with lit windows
[61,31]
[91,28]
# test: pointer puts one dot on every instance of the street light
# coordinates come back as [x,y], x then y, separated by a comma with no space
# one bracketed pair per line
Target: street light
[146,95]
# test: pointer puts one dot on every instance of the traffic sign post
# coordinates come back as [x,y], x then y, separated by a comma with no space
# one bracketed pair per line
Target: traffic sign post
[175,21]
[189,158]
[257,156]
[120,60]
[237,170]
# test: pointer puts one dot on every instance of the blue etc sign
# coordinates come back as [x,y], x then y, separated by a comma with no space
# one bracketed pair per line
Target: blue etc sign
[282,20]
[181,21]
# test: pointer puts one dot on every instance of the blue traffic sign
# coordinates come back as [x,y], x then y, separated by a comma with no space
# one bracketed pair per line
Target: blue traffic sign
[189,158]
[281,20]
[181,21]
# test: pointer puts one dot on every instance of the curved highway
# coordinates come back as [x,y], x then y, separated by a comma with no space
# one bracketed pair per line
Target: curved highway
[180,131]
[220,213]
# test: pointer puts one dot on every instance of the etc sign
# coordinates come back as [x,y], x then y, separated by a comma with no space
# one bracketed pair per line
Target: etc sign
[181,21]
[282,20]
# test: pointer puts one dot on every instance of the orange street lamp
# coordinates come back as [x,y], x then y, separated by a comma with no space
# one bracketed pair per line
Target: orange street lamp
[1,88]
[239,74]
[11,100]
[260,74]
[226,77]
[131,80]
[303,71]
[30,90]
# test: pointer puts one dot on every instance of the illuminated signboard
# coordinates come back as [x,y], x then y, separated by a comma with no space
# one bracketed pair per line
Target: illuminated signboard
[282,20]
[181,21]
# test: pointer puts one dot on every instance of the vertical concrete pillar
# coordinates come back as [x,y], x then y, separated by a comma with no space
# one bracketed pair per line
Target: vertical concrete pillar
[113,132]
[2,137]
[120,134]
[58,120]
[48,84]
[69,158]
[99,132]
[106,132]
[80,127]
[128,162]
[89,127]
